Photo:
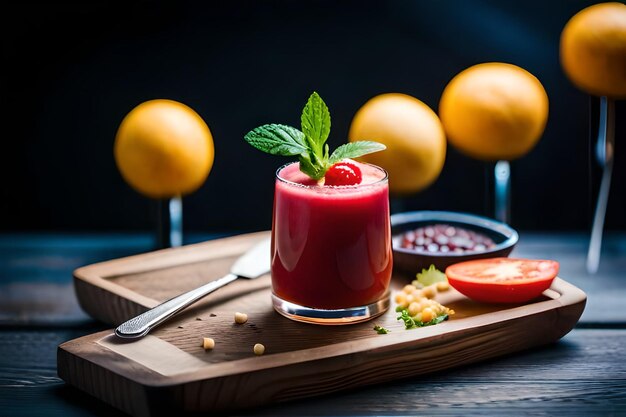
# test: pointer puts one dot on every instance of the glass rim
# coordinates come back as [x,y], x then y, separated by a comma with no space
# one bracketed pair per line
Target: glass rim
[384,179]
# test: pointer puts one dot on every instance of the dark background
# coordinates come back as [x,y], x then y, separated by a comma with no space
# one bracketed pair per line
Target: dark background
[71,71]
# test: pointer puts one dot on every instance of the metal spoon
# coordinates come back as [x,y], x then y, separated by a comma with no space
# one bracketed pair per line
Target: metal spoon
[252,264]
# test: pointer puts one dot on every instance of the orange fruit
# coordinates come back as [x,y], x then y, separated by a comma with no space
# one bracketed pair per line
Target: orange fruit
[593,49]
[164,149]
[494,111]
[412,132]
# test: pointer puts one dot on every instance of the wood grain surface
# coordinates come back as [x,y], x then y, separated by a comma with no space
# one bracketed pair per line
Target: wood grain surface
[301,360]
[584,374]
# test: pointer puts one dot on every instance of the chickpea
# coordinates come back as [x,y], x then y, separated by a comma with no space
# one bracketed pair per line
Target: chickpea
[427,314]
[259,349]
[414,308]
[443,286]
[409,288]
[208,343]
[241,318]
[420,303]
[401,298]
[429,292]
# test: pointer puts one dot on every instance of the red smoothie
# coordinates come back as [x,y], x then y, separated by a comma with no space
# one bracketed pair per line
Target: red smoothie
[331,246]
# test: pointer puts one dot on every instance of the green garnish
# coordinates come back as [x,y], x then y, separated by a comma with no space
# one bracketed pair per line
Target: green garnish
[411,323]
[381,329]
[429,276]
[309,144]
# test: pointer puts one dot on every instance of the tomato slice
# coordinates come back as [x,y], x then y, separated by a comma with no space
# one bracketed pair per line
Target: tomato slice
[502,280]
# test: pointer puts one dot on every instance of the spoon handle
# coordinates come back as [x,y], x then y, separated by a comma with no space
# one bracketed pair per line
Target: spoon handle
[140,326]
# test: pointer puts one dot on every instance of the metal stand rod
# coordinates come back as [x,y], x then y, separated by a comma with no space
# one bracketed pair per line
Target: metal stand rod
[604,156]
[502,202]
[170,223]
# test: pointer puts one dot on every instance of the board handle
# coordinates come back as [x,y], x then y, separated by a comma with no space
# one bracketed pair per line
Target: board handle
[142,324]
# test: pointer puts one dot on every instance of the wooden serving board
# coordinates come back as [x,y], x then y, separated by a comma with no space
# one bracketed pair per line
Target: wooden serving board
[168,371]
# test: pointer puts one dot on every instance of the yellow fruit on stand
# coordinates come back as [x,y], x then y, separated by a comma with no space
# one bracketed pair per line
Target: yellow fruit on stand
[494,111]
[164,149]
[412,132]
[593,49]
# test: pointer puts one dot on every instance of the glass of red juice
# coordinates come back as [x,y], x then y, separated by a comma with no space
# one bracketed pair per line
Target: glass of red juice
[331,247]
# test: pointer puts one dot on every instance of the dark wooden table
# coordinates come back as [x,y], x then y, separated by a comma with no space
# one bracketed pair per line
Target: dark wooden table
[583,374]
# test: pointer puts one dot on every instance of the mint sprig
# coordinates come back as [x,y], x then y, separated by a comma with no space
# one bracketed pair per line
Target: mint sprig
[309,144]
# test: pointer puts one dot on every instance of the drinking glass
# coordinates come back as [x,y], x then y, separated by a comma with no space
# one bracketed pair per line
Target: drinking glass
[331,247]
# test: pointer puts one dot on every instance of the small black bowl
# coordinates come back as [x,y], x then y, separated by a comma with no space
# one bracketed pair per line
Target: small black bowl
[411,261]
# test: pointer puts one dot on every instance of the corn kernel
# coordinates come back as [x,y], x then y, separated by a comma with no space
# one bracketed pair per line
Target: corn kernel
[241,318]
[259,349]
[443,286]
[208,343]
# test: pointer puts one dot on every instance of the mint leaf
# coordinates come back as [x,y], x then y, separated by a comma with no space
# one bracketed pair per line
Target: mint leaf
[315,121]
[355,149]
[277,140]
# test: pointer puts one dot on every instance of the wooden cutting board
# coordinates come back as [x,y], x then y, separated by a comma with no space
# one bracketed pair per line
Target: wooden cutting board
[169,371]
